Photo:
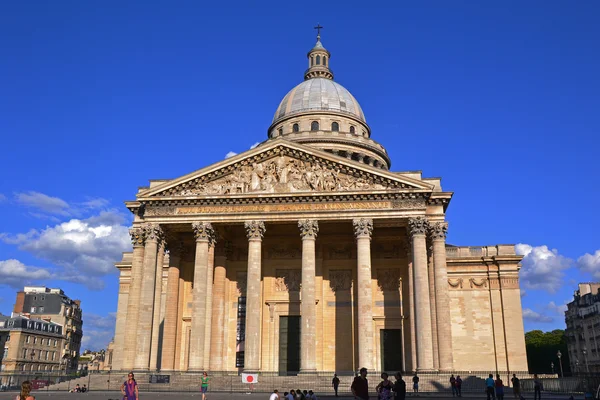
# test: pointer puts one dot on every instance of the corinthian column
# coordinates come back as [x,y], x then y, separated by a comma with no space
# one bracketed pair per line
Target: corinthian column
[154,356]
[438,237]
[363,229]
[154,236]
[218,308]
[138,238]
[418,229]
[203,231]
[255,231]
[171,309]
[209,299]
[308,308]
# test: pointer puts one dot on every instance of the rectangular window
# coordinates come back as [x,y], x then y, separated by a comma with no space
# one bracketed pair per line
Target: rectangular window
[240,331]
[5,352]
[40,355]
[34,340]
[33,309]
[27,339]
[53,355]
[55,342]
[46,355]
[41,309]
[24,353]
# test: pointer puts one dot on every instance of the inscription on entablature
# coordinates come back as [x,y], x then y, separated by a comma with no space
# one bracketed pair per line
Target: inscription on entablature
[288,280]
[284,251]
[388,280]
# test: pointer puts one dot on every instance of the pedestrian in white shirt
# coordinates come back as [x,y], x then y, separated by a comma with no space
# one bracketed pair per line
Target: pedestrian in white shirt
[274,395]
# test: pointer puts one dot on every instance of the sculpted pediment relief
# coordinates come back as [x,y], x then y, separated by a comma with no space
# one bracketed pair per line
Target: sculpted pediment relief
[281,169]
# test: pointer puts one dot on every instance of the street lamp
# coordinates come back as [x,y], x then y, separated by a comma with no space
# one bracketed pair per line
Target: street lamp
[559,355]
[584,352]
[552,366]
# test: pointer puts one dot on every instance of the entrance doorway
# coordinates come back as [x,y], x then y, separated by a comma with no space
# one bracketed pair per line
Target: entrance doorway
[391,350]
[289,345]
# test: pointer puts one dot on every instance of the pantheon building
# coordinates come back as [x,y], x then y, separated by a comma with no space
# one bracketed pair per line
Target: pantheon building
[308,254]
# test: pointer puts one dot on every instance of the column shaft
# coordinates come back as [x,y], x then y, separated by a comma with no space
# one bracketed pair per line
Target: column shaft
[363,229]
[444,327]
[172,309]
[203,232]
[209,301]
[308,308]
[418,228]
[144,331]
[154,356]
[411,316]
[218,314]
[432,294]
[255,231]
[133,301]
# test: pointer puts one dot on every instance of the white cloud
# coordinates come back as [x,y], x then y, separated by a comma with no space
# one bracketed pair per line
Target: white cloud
[43,202]
[590,263]
[98,330]
[532,316]
[560,310]
[86,249]
[230,154]
[542,268]
[16,274]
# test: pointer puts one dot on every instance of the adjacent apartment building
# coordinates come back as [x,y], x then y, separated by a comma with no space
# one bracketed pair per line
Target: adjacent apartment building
[52,305]
[30,345]
[583,328]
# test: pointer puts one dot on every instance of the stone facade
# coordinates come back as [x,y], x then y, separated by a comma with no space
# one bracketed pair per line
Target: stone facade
[583,328]
[306,254]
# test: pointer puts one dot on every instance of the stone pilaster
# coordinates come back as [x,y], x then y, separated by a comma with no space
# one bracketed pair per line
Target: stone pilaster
[204,232]
[154,236]
[434,332]
[209,300]
[308,309]
[255,231]
[418,230]
[438,237]
[363,229]
[411,308]
[218,309]
[172,309]
[154,356]
[138,239]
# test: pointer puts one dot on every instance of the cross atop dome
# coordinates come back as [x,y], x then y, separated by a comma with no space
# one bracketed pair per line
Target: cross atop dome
[318,60]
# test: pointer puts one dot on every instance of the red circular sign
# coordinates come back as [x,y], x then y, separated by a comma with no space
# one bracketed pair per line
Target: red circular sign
[250,378]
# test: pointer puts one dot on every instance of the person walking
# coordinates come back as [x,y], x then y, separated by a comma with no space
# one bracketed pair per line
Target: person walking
[291,395]
[360,385]
[399,387]
[499,387]
[274,395]
[204,385]
[416,384]
[537,387]
[129,388]
[384,389]
[489,387]
[453,385]
[459,385]
[25,393]
[335,382]
[516,385]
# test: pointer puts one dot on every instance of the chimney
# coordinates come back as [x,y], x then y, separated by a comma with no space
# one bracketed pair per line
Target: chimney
[20,302]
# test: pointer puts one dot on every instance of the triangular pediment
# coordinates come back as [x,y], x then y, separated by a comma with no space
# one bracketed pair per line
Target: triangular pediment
[283,167]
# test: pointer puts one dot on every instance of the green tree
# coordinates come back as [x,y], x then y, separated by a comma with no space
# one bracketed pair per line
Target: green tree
[542,348]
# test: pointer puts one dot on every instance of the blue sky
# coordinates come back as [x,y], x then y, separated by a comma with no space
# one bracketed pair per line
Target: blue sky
[499,99]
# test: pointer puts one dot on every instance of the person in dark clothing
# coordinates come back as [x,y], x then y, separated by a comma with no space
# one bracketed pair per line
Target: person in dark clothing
[453,385]
[416,384]
[537,387]
[335,382]
[399,387]
[360,385]
[459,385]
[489,388]
[516,384]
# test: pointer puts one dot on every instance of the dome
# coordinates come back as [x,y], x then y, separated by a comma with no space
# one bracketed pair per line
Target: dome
[319,94]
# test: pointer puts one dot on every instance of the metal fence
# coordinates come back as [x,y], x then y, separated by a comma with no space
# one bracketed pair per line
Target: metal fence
[320,383]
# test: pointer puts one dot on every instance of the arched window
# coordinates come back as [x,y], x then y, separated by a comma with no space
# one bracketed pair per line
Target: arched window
[324,61]
[318,60]
[314,126]
[295,128]
[352,130]
[312,61]
[335,127]
[280,131]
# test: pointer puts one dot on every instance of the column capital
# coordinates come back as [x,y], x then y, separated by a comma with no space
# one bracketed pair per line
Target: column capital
[309,228]
[138,236]
[203,231]
[363,227]
[255,230]
[153,232]
[438,230]
[418,226]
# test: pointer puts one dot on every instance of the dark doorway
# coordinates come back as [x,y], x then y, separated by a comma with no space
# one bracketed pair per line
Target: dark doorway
[289,345]
[391,350]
